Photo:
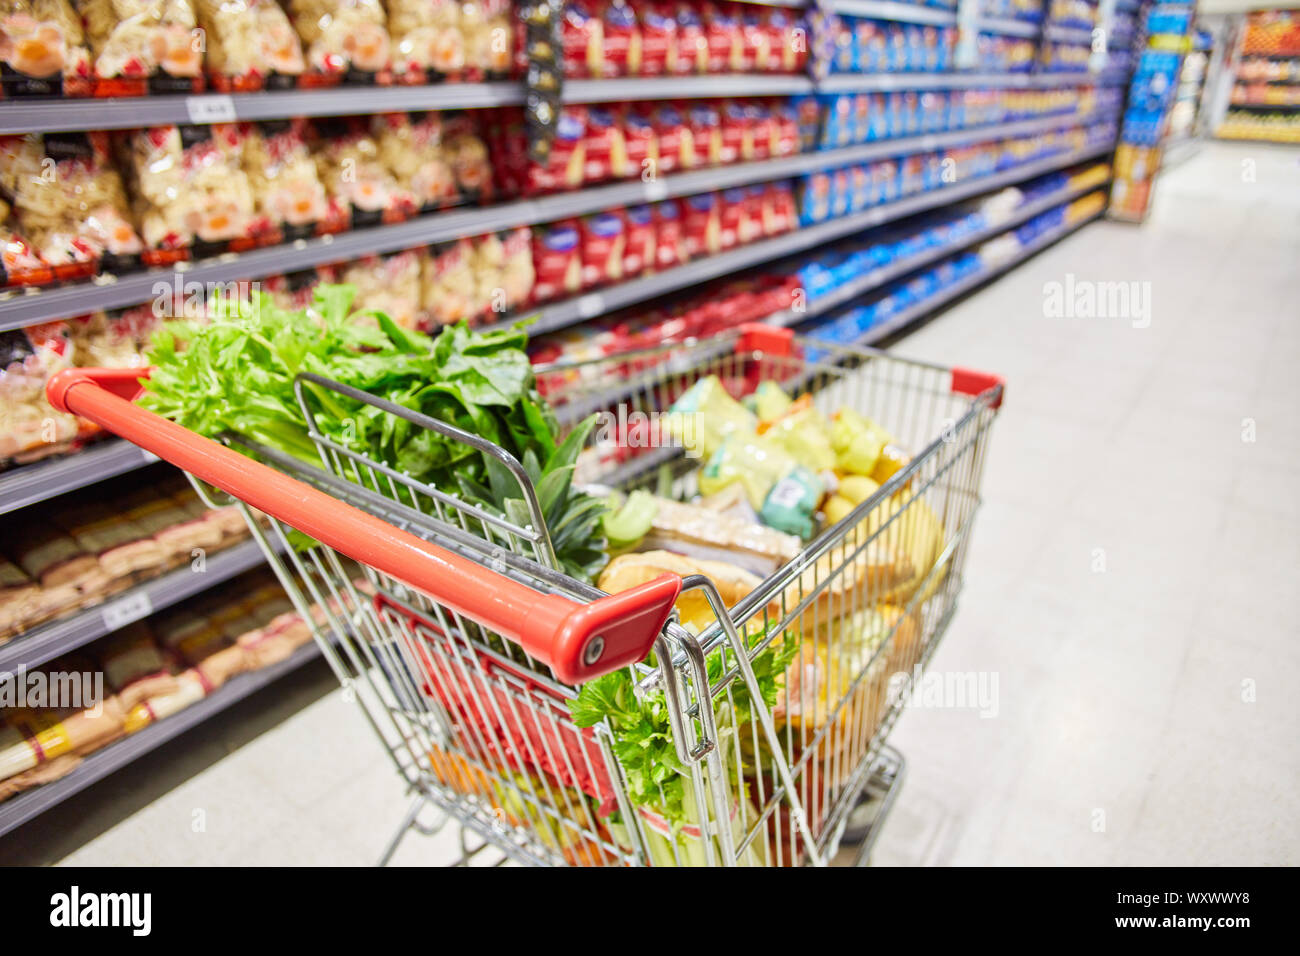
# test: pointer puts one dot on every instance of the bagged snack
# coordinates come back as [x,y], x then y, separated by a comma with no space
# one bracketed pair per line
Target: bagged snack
[250,45]
[447,282]
[429,44]
[640,142]
[188,190]
[557,260]
[787,41]
[603,243]
[502,265]
[731,211]
[584,40]
[410,146]
[140,46]
[69,201]
[343,39]
[42,49]
[287,193]
[389,284]
[355,177]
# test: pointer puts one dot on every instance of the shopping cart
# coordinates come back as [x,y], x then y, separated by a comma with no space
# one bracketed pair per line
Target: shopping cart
[465,644]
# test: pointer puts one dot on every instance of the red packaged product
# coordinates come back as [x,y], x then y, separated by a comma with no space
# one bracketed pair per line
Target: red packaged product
[701,225]
[730,213]
[670,239]
[606,150]
[639,245]
[622,40]
[583,36]
[787,41]
[603,243]
[757,49]
[705,124]
[779,209]
[676,145]
[557,261]
[722,32]
[640,142]
[762,125]
[737,132]
[658,40]
[750,228]
[692,44]
[566,167]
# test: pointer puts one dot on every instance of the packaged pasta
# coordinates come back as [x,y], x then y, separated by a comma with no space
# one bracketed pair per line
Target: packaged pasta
[29,427]
[141,46]
[621,40]
[19,263]
[606,146]
[692,42]
[115,339]
[428,41]
[701,225]
[288,196]
[584,40]
[189,190]
[489,36]
[343,39]
[250,45]
[502,265]
[388,284]
[447,283]
[42,49]
[294,290]
[557,260]
[603,243]
[69,202]
[354,175]
[466,151]
[410,146]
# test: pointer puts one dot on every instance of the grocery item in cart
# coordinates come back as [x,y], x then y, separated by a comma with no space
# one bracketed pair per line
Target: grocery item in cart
[250,45]
[69,202]
[42,49]
[342,39]
[140,46]
[189,191]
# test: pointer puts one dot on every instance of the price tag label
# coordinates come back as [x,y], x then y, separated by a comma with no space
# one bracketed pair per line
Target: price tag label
[127,610]
[211,108]
[591,305]
[655,190]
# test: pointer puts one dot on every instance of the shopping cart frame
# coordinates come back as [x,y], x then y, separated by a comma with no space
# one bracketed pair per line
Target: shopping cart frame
[573,631]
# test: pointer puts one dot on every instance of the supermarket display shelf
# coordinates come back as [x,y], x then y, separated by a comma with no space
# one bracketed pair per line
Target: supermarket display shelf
[48,641]
[685,87]
[886,10]
[878,277]
[1059,34]
[26,806]
[1007,27]
[1293,107]
[31,306]
[571,311]
[909,315]
[883,82]
[42,480]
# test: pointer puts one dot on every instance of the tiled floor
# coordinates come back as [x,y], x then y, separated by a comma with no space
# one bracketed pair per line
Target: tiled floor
[1133,585]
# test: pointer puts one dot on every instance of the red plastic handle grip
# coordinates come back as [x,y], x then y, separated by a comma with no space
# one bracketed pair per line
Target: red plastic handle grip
[577,641]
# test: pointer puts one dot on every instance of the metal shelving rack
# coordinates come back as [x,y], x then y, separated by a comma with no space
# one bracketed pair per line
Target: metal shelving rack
[30,485]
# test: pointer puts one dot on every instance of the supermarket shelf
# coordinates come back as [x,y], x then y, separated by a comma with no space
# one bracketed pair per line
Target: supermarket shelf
[878,277]
[685,87]
[881,82]
[39,116]
[28,484]
[1007,27]
[909,315]
[32,306]
[48,641]
[1058,34]
[28,805]
[885,10]
[571,311]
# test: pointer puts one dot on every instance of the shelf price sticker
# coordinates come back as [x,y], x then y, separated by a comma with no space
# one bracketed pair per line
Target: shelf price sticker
[210,108]
[127,610]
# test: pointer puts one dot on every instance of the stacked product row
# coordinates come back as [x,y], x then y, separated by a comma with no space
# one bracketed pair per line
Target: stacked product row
[1265,101]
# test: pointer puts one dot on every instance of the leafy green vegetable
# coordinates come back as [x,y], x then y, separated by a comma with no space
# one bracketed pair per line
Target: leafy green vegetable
[236,374]
[642,737]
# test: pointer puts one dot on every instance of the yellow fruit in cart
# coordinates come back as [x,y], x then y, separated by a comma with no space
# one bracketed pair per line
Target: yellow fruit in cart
[891,461]
[837,508]
[857,488]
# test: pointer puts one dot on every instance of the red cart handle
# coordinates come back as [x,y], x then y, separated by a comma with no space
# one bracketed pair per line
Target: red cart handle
[577,641]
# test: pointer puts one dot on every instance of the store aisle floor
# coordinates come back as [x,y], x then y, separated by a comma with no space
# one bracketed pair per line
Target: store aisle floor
[1131,590]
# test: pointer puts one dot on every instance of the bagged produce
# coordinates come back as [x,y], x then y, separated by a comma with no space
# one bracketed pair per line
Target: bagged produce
[250,45]
[144,45]
[343,38]
[42,49]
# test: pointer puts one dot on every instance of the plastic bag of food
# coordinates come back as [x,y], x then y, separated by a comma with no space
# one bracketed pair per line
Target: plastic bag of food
[69,201]
[19,263]
[429,43]
[692,42]
[583,34]
[354,174]
[343,38]
[705,415]
[621,52]
[603,243]
[115,339]
[250,45]
[502,265]
[802,432]
[138,46]
[784,492]
[701,225]
[189,190]
[388,284]
[447,283]
[658,39]
[29,427]
[605,146]
[557,259]
[290,200]
[410,145]
[42,49]
[466,151]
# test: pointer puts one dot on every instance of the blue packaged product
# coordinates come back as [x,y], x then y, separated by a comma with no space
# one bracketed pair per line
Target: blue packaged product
[814,197]
[841,193]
